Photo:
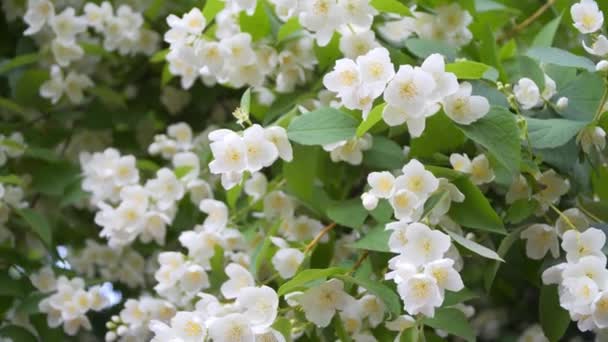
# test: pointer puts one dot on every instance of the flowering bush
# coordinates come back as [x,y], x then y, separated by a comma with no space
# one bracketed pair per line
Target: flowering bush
[303,170]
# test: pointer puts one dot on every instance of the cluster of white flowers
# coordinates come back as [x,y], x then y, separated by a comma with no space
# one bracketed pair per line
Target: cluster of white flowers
[552,188]
[583,278]
[122,31]
[124,265]
[448,24]
[12,146]
[255,148]
[179,279]
[529,96]
[248,318]
[233,58]
[131,324]
[69,301]
[479,168]
[350,151]
[412,94]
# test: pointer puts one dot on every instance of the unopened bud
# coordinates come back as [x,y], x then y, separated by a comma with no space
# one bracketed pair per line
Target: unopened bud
[370,202]
[562,103]
[602,66]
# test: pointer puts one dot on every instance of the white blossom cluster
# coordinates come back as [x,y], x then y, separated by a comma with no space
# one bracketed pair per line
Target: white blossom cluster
[253,149]
[12,146]
[63,33]
[448,24]
[123,265]
[478,169]
[69,300]
[131,324]
[583,278]
[552,188]
[231,57]
[411,95]
[248,318]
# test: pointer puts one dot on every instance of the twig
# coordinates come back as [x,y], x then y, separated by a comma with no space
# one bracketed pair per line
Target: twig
[323,231]
[359,262]
[542,9]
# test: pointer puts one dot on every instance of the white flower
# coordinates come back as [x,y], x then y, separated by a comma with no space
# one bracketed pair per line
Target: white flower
[238,279]
[420,294]
[278,204]
[553,187]
[165,188]
[217,214]
[381,183]
[194,279]
[578,245]
[424,245]
[401,323]
[376,69]
[350,151]
[599,46]
[533,333]
[233,327]
[589,266]
[238,50]
[321,302]
[182,133]
[278,136]
[446,82]
[96,15]
[322,17]
[260,151]
[358,12]
[344,78]
[229,155]
[304,228]
[406,205]
[398,239]
[572,216]
[464,108]
[600,310]
[39,12]
[481,171]
[587,16]
[540,238]
[519,189]
[260,305]
[355,44]
[256,186]
[417,179]
[578,294]
[72,86]
[411,88]
[592,137]
[67,25]
[445,275]
[44,280]
[287,261]
[416,121]
[527,93]
[550,88]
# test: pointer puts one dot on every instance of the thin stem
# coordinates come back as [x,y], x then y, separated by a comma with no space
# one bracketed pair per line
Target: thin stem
[562,215]
[359,262]
[317,238]
[588,213]
[599,111]
[542,9]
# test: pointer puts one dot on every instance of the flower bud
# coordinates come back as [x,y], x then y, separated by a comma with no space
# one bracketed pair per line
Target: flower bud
[562,103]
[370,202]
[602,66]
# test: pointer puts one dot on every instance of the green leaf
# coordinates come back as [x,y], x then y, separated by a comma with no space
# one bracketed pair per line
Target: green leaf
[560,57]
[159,56]
[246,101]
[341,333]
[520,210]
[26,89]
[475,212]
[305,277]
[384,154]
[301,172]
[258,24]
[474,246]
[391,6]
[488,51]
[322,126]
[166,76]
[422,48]
[374,240]
[553,318]
[503,249]
[468,70]
[388,296]
[19,61]
[453,298]
[440,136]
[53,178]
[108,97]
[327,55]
[232,195]
[527,67]
[410,335]
[283,325]
[11,287]
[211,8]
[13,107]
[11,179]
[263,253]
[29,305]
[584,95]
[374,116]
[499,134]
[551,133]
[182,171]
[39,225]
[17,334]
[544,37]
[349,213]
[432,202]
[383,212]
[452,321]
[290,27]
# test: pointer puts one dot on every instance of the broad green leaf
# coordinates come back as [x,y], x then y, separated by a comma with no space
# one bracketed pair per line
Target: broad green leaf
[503,249]
[384,154]
[374,116]
[153,10]
[166,75]
[159,56]
[411,334]
[290,27]
[11,287]
[524,66]
[328,54]
[12,107]
[211,8]
[391,6]
[307,276]
[257,24]
[217,276]
[246,101]
[474,246]
[19,61]
[440,135]
[544,37]
[383,212]
[453,298]
[561,57]
[388,296]
[599,180]
[598,209]
[38,224]
[322,126]
[182,171]
[301,172]
[422,48]
[283,325]
[147,165]
[475,212]
[452,321]
[551,133]
[520,210]
[232,195]
[349,213]
[29,304]
[433,201]
[584,95]
[374,240]
[553,318]
[499,134]
[468,70]
[11,179]
[508,50]
[26,89]
[17,334]
[108,96]
[53,178]
[488,52]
